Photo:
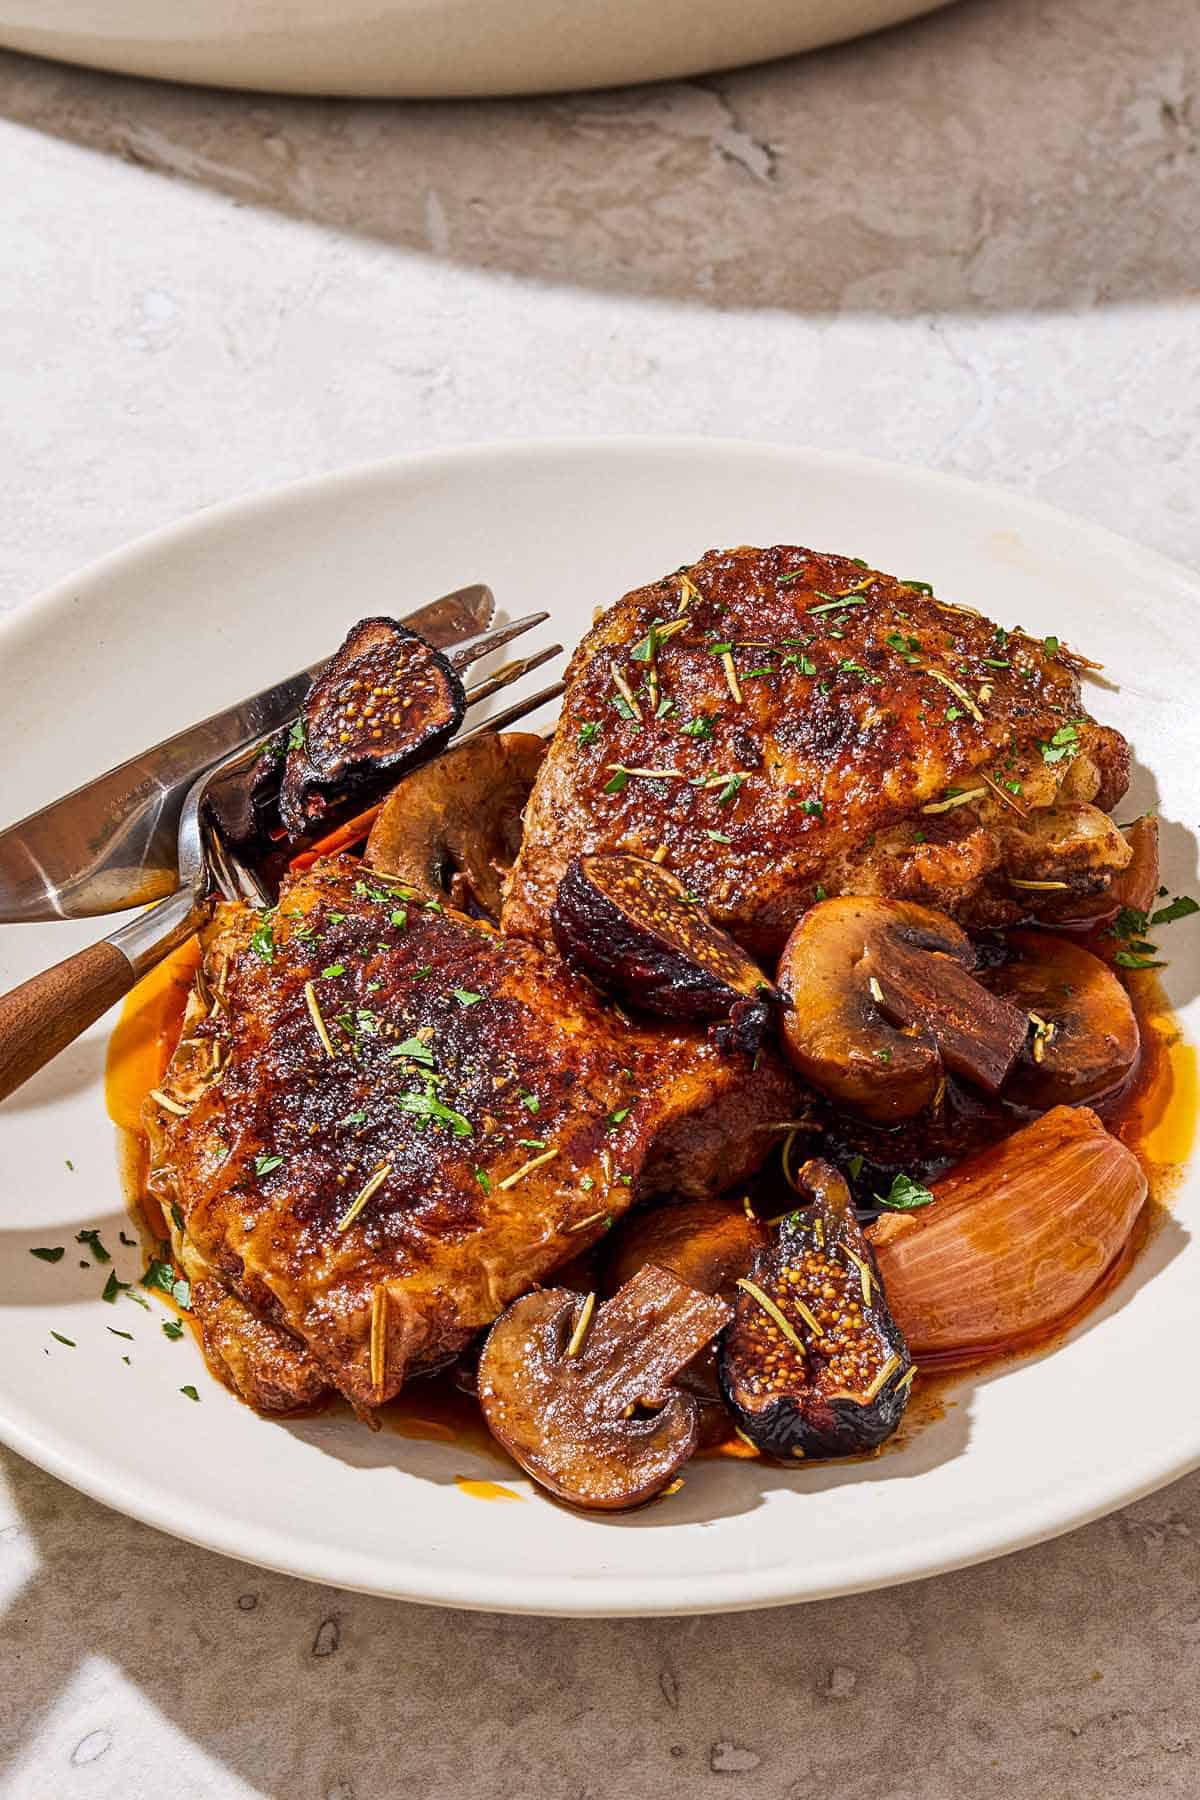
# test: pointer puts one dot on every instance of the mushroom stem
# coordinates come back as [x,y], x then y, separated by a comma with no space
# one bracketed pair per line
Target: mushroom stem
[978,1034]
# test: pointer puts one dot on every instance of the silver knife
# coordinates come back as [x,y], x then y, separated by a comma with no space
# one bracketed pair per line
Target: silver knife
[112,843]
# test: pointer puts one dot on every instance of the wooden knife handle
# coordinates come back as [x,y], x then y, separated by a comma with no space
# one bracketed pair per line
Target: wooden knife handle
[46,1013]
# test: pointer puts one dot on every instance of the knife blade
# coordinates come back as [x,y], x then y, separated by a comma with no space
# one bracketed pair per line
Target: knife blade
[111,844]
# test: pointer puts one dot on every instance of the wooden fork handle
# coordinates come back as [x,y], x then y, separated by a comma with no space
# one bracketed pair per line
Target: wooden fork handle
[48,1012]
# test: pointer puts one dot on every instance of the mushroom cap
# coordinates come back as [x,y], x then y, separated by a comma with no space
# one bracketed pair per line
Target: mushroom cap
[1095,1042]
[591,1414]
[454,825]
[881,997]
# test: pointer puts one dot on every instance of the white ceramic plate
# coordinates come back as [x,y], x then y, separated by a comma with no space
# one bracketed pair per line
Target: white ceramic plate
[434,47]
[192,618]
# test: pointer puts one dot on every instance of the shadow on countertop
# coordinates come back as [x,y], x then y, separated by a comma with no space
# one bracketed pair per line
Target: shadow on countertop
[1003,154]
[135,1664]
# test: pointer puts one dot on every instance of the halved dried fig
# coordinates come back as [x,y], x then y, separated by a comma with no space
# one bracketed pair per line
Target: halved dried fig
[881,998]
[453,827]
[385,700]
[632,926]
[813,1363]
[1085,1037]
[584,1399]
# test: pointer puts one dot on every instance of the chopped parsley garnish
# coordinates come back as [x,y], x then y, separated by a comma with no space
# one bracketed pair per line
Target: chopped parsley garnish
[855,1165]
[616,781]
[427,1106]
[795,575]
[922,587]
[665,707]
[333,971]
[1133,959]
[996,662]
[699,727]
[732,787]
[589,731]
[114,1332]
[622,707]
[821,893]
[172,1329]
[162,1277]
[264,1164]
[481,1176]
[724,648]
[719,837]
[904,1195]
[618,1117]
[1065,742]
[814,808]
[296,735]
[113,1287]
[587,1183]
[357,1117]
[530,1102]
[262,940]
[465,997]
[130,1243]
[835,602]
[190,1391]
[50,1254]
[415,1050]
[1050,646]
[69,1342]
[69,1163]
[92,1240]
[1130,922]
[532,1143]
[1182,908]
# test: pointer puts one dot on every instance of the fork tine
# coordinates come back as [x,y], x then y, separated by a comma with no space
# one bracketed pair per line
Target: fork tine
[495,639]
[512,671]
[521,709]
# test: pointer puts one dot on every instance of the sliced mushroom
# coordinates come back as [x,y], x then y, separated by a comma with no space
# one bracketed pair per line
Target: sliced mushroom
[881,998]
[1085,1040]
[813,1363]
[632,926]
[707,1243]
[384,701]
[453,827]
[584,1400]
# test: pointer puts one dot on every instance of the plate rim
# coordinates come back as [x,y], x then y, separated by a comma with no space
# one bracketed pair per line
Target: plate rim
[596,1595]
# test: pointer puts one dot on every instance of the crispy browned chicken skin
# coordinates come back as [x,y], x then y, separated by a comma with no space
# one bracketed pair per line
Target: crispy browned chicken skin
[394,1121]
[780,722]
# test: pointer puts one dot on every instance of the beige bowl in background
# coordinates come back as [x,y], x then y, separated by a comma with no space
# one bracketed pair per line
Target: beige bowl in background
[433,47]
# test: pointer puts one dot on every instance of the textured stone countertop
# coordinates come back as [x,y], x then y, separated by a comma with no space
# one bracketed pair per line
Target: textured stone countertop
[970,243]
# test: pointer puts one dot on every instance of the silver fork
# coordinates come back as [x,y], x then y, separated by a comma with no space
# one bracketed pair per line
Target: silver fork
[49,1011]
